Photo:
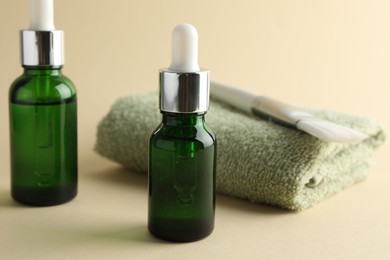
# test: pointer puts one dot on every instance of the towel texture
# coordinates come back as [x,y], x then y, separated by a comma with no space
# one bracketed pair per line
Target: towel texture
[256,160]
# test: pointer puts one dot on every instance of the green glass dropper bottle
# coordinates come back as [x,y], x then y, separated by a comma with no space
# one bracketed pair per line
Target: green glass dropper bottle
[182,151]
[43,117]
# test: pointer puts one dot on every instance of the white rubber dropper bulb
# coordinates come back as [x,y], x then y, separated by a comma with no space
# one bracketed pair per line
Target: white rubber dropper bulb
[184,49]
[41,15]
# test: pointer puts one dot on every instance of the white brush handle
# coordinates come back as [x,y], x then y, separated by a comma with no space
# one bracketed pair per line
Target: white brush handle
[238,98]
[285,114]
[278,110]
[260,105]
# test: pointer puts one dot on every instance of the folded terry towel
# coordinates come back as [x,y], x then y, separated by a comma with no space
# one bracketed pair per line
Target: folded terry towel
[256,160]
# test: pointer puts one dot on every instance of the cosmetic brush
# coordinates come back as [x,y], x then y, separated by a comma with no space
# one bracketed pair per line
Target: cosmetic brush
[284,114]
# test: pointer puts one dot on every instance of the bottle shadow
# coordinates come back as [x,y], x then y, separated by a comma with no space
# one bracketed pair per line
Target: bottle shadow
[239,204]
[129,234]
[135,233]
[5,199]
[126,178]
[121,176]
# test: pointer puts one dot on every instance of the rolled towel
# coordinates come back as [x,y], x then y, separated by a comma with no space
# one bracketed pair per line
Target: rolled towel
[257,160]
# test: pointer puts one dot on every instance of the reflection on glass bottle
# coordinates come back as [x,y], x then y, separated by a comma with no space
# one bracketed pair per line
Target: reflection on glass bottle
[185,173]
[44,146]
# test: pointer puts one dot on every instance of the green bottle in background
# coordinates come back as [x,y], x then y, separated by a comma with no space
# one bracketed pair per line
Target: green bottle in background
[43,117]
[182,151]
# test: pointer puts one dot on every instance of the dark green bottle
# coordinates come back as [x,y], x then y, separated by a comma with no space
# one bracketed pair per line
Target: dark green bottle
[182,156]
[43,124]
[182,178]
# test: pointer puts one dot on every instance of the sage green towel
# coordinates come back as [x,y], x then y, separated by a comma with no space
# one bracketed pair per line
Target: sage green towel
[257,160]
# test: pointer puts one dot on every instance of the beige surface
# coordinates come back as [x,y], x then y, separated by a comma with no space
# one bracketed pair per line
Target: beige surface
[329,54]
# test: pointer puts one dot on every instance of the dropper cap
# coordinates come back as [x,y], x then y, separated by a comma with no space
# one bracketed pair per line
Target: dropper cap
[41,44]
[41,15]
[184,87]
[184,49]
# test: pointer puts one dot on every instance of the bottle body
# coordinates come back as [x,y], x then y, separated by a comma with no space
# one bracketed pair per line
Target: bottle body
[182,164]
[43,137]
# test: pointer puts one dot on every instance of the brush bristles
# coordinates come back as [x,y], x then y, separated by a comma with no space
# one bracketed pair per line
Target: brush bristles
[329,131]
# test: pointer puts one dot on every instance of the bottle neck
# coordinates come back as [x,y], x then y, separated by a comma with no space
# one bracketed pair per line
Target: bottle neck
[182,119]
[43,70]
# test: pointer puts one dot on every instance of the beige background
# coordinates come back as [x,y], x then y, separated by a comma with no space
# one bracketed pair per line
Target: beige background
[328,54]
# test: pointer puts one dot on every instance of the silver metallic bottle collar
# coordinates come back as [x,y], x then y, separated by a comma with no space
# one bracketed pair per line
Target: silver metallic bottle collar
[184,92]
[42,48]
